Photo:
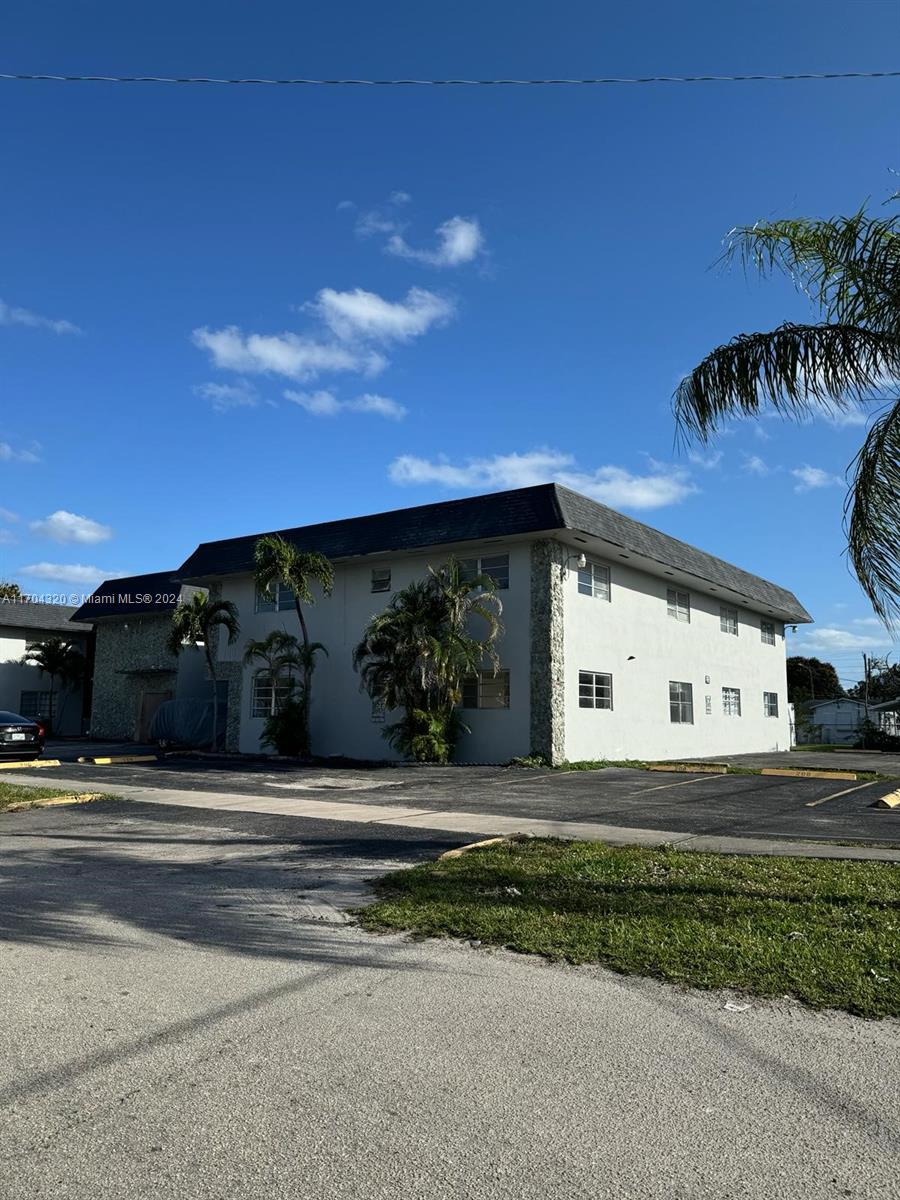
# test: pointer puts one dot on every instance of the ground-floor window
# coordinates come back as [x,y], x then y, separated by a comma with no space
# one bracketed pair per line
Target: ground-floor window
[35,704]
[378,710]
[770,704]
[268,697]
[594,689]
[486,690]
[731,701]
[681,702]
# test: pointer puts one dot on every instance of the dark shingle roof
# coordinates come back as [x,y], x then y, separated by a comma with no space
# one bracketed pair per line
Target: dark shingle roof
[130,596]
[26,614]
[541,509]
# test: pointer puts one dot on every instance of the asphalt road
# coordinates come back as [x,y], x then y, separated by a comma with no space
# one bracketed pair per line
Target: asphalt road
[186,1013]
[755,806]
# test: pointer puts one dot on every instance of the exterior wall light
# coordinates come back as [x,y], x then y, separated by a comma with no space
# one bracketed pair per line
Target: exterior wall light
[580,559]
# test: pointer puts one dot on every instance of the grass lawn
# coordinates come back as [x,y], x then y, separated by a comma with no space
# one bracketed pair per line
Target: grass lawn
[12,793]
[823,931]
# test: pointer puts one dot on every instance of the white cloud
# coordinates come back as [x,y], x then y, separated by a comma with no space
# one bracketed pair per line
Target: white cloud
[225,396]
[755,465]
[63,526]
[366,315]
[326,404]
[287,354]
[707,461]
[608,484]
[9,453]
[33,320]
[811,478]
[7,514]
[78,573]
[460,240]
[836,639]
[7,537]
[868,622]
[838,418]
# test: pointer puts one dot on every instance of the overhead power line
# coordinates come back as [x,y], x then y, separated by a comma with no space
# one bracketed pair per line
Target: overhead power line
[601,81]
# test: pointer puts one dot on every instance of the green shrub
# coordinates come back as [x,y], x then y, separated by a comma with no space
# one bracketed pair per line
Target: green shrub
[284,731]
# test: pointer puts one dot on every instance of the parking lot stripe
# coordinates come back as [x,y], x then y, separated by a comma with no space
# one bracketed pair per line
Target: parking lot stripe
[845,792]
[681,783]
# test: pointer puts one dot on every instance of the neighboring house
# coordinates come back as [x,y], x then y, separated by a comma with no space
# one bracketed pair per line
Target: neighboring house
[134,671]
[653,649]
[23,689]
[838,721]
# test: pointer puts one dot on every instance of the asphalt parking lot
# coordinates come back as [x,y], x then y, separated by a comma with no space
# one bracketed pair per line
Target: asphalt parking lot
[748,806]
[188,1013]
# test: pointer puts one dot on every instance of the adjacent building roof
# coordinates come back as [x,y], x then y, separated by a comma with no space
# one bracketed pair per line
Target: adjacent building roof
[30,615]
[131,596]
[545,508]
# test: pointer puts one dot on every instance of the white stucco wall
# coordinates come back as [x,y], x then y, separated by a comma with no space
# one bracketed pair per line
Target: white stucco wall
[16,678]
[602,635]
[341,721]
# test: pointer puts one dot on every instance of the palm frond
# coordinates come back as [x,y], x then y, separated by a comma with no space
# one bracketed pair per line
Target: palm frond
[872,516]
[849,266]
[795,368]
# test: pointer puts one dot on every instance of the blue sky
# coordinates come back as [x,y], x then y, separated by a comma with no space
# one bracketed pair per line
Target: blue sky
[228,310]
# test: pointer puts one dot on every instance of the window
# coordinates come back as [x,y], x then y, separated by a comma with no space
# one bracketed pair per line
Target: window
[681,703]
[731,702]
[268,698]
[486,690]
[275,602]
[728,620]
[378,710]
[594,690]
[381,579]
[495,566]
[593,580]
[770,704]
[767,633]
[36,704]
[679,604]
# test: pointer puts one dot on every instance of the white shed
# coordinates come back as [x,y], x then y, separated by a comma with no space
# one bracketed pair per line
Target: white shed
[838,722]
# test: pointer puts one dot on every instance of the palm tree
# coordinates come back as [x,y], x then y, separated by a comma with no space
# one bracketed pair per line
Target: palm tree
[279,656]
[280,562]
[58,659]
[849,268]
[416,653]
[197,623]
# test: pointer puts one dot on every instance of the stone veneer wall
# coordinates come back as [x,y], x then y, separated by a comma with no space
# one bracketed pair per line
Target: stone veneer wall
[123,644]
[548,707]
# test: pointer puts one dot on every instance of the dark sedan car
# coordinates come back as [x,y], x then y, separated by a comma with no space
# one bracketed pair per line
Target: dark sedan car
[20,737]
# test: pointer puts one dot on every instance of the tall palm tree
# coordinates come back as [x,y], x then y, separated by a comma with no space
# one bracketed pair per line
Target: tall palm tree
[280,562]
[59,660]
[415,655]
[278,655]
[849,268]
[197,622]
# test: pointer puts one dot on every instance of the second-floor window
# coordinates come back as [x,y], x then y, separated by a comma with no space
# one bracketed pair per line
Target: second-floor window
[731,701]
[276,600]
[486,690]
[767,632]
[593,580]
[381,579]
[728,620]
[495,566]
[678,604]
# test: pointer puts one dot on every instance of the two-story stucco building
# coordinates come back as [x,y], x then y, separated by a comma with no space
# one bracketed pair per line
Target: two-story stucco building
[619,642]
[24,689]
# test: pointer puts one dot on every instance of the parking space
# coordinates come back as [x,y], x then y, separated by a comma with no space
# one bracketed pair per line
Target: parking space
[750,806]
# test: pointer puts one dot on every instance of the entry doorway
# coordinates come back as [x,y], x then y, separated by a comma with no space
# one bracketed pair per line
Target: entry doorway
[149,703]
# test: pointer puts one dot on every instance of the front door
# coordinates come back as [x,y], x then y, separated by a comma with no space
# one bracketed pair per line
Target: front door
[150,702]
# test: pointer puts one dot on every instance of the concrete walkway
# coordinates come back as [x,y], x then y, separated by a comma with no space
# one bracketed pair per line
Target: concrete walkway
[448,820]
